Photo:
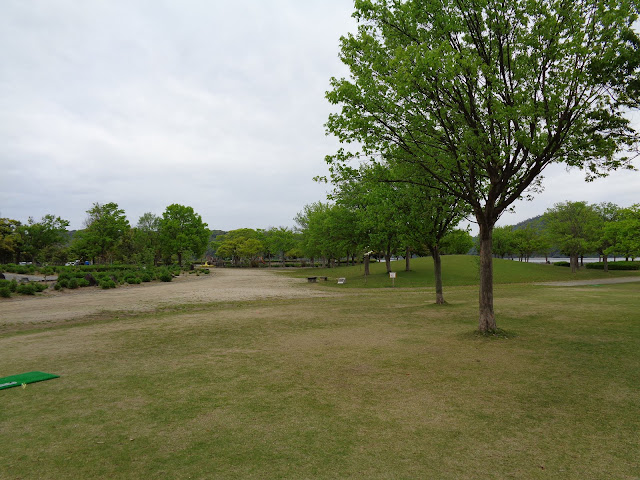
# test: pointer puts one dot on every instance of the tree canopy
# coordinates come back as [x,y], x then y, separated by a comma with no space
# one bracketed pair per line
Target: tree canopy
[482,96]
[182,230]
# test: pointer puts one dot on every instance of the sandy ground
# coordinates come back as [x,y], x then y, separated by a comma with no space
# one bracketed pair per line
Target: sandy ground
[220,286]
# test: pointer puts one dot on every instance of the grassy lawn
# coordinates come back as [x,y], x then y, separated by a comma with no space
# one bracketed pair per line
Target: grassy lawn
[456,270]
[374,384]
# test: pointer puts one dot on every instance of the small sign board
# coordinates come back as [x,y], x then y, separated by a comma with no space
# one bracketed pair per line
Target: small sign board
[341,281]
[392,274]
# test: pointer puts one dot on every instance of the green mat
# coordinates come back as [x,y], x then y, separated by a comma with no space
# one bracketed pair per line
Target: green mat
[30,377]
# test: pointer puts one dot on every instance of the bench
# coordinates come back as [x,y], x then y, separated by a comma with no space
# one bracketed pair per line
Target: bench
[312,279]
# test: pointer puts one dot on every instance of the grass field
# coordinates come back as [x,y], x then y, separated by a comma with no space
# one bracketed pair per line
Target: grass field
[374,384]
[456,270]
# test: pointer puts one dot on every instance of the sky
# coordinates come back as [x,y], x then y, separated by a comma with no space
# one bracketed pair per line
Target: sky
[219,105]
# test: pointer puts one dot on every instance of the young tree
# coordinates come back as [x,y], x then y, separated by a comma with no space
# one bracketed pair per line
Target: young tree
[280,240]
[147,238]
[483,95]
[182,230]
[504,244]
[623,234]
[573,228]
[608,212]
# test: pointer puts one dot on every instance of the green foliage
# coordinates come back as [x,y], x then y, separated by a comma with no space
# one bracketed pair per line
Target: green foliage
[41,239]
[165,276]
[457,242]
[10,239]
[182,231]
[106,227]
[574,227]
[4,291]
[239,245]
[482,96]
[562,264]
[107,283]
[73,283]
[26,289]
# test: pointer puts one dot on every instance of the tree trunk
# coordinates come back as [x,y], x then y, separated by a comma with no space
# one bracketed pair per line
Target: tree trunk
[605,263]
[437,270]
[582,260]
[573,261]
[487,321]
[407,260]
[366,265]
[387,259]
[180,259]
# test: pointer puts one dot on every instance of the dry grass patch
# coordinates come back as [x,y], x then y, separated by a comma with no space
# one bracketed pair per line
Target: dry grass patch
[369,385]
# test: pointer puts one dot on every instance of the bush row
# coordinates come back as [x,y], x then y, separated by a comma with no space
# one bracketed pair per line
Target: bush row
[7,287]
[614,265]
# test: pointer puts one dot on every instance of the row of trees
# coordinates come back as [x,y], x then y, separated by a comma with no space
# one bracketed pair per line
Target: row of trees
[471,101]
[107,237]
[575,229]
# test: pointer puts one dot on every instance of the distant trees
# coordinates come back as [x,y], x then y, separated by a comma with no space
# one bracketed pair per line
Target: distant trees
[10,241]
[41,239]
[238,245]
[573,228]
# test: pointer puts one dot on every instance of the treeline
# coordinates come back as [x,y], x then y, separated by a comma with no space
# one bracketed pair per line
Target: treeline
[178,234]
[574,229]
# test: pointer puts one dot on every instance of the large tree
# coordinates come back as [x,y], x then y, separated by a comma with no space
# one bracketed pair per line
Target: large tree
[182,230]
[105,226]
[483,95]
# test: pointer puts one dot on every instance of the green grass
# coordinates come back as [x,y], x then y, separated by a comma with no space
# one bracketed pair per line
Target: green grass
[457,270]
[375,384]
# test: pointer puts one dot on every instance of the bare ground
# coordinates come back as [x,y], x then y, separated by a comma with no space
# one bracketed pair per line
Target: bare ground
[222,285]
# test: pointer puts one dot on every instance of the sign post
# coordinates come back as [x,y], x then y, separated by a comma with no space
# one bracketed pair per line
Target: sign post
[392,276]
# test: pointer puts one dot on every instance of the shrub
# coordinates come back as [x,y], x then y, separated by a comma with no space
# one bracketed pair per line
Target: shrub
[41,287]
[83,282]
[26,289]
[64,283]
[165,276]
[614,265]
[57,286]
[73,283]
[107,283]
[5,292]
[562,264]
[145,277]
[13,285]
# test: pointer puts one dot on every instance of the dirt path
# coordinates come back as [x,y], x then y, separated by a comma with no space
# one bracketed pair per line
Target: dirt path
[602,281]
[221,285]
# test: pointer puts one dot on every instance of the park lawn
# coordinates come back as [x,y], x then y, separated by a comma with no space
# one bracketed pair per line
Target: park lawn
[457,270]
[375,384]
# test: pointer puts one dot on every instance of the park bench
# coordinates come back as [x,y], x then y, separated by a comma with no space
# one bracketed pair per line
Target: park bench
[315,279]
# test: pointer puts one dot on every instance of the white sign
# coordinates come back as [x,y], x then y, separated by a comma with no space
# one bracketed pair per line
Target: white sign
[392,274]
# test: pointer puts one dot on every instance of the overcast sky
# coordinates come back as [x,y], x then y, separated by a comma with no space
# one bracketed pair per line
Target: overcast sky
[214,104]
